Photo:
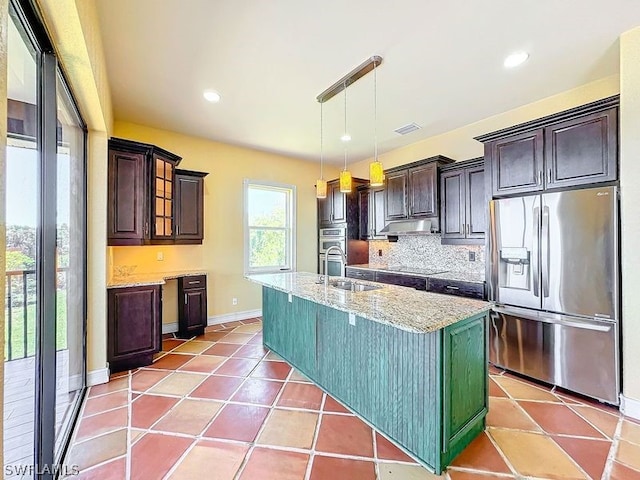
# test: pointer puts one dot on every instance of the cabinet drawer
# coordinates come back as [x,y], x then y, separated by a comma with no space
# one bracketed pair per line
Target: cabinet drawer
[362,274]
[196,281]
[453,287]
[418,283]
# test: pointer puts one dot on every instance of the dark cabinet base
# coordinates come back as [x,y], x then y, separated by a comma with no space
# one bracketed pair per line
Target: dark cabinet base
[142,360]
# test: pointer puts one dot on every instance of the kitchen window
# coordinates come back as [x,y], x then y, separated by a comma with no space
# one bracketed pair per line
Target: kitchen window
[269,233]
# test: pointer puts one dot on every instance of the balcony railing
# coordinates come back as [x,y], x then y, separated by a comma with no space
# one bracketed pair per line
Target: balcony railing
[20,312]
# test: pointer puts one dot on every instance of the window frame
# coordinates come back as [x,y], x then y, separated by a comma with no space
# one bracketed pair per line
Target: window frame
[290,255]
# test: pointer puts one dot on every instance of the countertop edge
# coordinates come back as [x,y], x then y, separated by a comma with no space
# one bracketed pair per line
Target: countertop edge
[442,275]
[154,279]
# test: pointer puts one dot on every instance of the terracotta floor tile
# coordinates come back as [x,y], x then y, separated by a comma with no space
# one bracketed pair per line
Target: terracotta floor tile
[203,364]
[115,470]
[170,344]
[520,390]
[558,418]
[253,320]
[155,454]
[97,450]
[506,413]
[171,361]
[248,328]
[106,402]
[222,349]
[135,434]
[332,468]
[622,472]
[102,423]
[399,471]
[274,370]
[210,336]
[606,422]
[256,340]
[234,324]
[332,405]
[147,409]
[481,454]
[114,385]
[289,428]
[297,376]
[461,475]
[258,391]
[217,387]
[629,454]
[189,417]
[251,351]
[301,395]
[239,367]
[525,450]
[268,464]
[495,390]
[591,455]
[345,435]
[568,398]
[178,383]
[194,346]
[630,432]
[239,338]
[388,451]
[238,422]
[212,460]
[145,379]
[273,356]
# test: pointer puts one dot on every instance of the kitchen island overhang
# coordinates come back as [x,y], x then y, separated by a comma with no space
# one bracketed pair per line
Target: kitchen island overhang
[412,364]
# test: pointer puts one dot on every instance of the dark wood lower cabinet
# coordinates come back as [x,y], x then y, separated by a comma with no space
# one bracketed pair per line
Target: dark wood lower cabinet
[192,306]
[134,331]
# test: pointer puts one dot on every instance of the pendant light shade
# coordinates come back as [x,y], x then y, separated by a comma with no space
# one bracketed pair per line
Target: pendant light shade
[376,174]
[321,183]
[376,170]
[345,181]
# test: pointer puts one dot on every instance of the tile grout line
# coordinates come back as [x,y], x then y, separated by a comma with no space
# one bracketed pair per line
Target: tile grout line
[316,434]
[613,452]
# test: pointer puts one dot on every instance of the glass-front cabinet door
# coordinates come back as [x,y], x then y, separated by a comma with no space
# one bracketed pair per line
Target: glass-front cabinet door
[163,201]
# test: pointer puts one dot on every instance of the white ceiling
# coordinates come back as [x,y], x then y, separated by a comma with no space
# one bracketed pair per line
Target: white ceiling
[270,58]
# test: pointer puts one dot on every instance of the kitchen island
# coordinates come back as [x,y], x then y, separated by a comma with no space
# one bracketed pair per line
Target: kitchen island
[413,364]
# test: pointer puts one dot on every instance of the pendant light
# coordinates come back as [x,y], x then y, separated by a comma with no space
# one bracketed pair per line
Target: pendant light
[321,184]
[345,175]
[376,171]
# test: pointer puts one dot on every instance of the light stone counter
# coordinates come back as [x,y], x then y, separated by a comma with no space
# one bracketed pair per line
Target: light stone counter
[472,277]
[404,308]
[142,279]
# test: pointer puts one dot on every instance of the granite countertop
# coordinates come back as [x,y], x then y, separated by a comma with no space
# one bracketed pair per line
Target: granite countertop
[142,279]
[401,307]
[472,277]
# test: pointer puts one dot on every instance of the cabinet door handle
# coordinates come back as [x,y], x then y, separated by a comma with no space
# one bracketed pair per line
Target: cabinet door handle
[194,282]
[186,299]
[549,176]
[540,177]
[146,228]
[451,287]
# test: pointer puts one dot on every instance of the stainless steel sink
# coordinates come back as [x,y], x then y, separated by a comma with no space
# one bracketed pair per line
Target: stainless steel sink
[354,287]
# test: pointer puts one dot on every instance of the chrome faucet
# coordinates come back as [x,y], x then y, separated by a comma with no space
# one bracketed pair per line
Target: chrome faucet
[326,262]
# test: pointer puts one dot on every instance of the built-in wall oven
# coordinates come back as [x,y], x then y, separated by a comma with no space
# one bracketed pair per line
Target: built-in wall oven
[330,237]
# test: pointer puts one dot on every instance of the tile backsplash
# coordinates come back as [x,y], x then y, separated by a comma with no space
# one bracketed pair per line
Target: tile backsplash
[426,251]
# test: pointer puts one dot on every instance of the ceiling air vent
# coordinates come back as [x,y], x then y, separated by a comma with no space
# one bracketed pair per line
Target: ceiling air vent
[410,127]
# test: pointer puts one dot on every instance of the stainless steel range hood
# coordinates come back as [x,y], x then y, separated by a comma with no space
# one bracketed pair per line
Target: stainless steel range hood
[407,227]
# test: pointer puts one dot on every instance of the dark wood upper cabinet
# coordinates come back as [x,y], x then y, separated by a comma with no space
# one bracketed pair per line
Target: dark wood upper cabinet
[372,216]
[338,204]
[568,149]
[340,208]
[134,326]
[423,191]
[189,207]
[582,150]
[192,305]
[463,203]
[396,195]
[144,200]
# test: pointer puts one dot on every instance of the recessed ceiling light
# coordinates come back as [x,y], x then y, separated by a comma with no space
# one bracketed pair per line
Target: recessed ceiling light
[210,95]
[346,137]
[515,59]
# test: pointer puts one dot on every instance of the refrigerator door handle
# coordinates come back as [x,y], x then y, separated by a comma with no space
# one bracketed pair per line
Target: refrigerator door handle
[545,251]
[535,255]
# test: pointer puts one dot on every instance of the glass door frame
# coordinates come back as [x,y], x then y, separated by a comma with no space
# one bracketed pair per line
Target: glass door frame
[26,14]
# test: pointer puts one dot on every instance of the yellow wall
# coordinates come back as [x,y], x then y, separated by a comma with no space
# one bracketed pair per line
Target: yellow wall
[460,145]
[630,200]
[221,254]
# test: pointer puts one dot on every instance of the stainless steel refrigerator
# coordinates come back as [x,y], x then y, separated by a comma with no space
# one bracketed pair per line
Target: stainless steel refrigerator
[554,275]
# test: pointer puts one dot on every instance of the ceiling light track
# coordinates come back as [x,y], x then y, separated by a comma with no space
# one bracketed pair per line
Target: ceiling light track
[350,78]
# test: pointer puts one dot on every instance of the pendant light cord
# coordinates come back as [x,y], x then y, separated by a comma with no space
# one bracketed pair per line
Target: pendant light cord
[345,125]
[321,141]
[375,113]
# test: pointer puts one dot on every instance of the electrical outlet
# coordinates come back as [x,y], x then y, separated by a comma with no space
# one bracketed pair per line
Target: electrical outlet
[234,301]
[380,252]
[160,256]
[472,256]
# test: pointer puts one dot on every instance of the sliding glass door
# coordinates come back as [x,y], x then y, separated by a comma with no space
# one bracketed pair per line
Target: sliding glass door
[46,254]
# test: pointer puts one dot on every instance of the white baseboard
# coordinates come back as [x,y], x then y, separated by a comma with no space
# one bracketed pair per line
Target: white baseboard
[96,377]
[169,327]
[234,317]
[630,407]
